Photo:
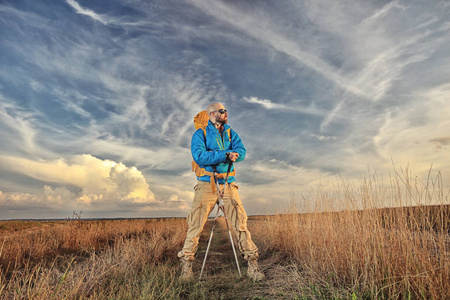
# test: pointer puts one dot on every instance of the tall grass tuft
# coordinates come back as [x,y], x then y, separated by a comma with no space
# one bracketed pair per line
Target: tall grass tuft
[401,252]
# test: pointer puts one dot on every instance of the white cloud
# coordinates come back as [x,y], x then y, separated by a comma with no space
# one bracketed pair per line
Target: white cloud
[380,14]
[263,102]
[90,13]
[322,137]
[267,104]
[48,197]
[100,181]
[104,19]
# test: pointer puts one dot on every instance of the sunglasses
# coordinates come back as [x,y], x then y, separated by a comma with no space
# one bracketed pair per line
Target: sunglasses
[222,111]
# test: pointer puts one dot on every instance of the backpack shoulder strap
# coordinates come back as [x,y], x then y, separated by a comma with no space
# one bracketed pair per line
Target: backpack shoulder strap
[229,133]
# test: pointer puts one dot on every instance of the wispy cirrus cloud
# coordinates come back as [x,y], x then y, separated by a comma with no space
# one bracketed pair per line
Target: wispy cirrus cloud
[263,102]
[380,14]
[261,28]
[105,20]
[18,133]
[418,132]
[268,104]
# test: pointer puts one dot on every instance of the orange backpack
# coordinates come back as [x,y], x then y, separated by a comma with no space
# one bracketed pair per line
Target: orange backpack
[201,121]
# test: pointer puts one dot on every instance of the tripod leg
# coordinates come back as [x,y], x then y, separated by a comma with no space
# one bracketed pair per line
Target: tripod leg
[209,242]
[232,243]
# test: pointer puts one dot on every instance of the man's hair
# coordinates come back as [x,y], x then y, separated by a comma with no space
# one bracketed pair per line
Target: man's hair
[211,108]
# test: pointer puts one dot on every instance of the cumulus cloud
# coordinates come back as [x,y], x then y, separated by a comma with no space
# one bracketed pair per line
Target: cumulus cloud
[99,181]
[48,198]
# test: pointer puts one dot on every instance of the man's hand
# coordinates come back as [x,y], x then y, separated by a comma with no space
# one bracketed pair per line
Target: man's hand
[233,156]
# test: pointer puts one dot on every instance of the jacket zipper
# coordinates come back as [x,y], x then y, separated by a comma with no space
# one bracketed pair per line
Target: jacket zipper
[221,145]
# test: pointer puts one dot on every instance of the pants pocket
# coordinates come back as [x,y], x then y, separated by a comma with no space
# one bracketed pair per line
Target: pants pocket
[241,217]
[239,214]
[194,218]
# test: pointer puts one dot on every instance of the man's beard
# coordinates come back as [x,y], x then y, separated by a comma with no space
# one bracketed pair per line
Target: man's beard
[221,120]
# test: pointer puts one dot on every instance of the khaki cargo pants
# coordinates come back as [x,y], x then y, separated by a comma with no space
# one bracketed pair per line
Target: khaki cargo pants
[204,201]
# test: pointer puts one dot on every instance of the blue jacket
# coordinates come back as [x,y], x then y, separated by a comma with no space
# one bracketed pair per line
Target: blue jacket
[212,151]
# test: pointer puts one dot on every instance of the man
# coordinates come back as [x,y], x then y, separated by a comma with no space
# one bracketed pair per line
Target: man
[213,149]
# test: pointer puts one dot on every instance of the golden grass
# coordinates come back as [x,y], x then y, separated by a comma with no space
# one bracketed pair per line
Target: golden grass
[90,259]
[394,253]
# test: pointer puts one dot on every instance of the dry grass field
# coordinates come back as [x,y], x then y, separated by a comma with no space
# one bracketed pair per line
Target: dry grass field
[87,259]
[370,254]
[356,253]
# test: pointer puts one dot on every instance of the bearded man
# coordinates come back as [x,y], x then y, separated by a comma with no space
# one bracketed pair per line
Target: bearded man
[212,149]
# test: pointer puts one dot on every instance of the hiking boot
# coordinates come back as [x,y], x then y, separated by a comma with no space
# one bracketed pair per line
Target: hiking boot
[254,272]
[186,270]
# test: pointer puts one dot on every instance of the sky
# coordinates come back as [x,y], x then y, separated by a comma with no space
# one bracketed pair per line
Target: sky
[97,99]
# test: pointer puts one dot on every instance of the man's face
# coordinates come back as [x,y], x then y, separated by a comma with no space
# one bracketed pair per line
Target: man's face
[221,117]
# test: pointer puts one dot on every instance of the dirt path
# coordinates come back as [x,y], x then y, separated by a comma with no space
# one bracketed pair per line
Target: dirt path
[221,276]
[220,258]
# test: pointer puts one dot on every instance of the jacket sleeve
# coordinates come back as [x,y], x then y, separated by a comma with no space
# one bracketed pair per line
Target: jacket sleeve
[237,146]
[203,156]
